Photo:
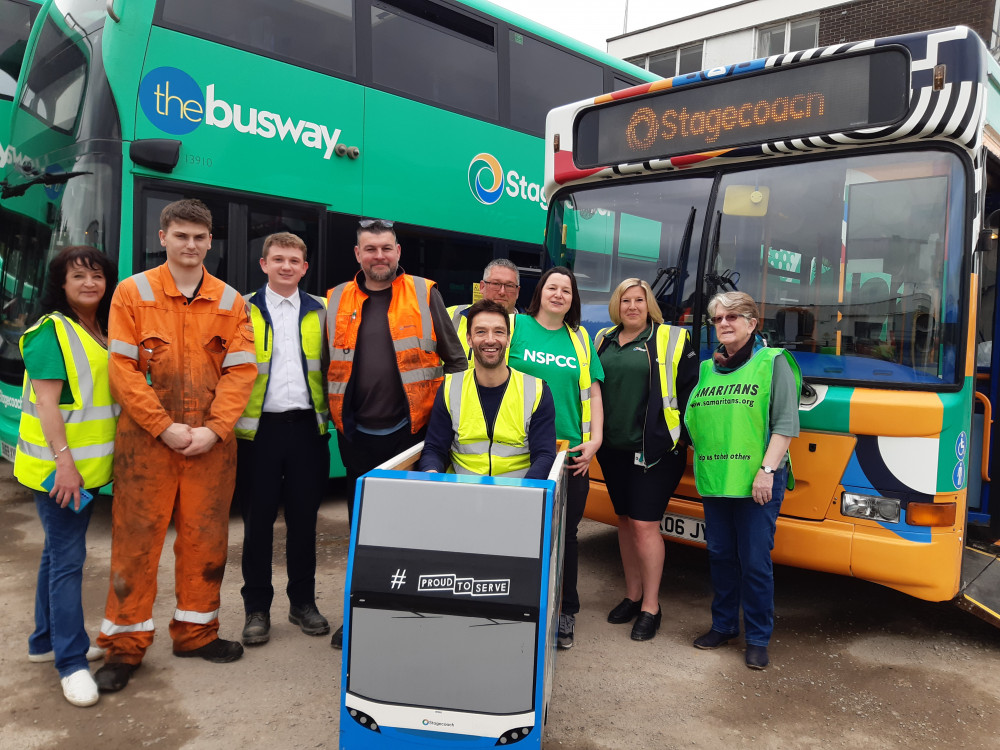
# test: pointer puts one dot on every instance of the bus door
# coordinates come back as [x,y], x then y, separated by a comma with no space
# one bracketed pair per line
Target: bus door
[980,592]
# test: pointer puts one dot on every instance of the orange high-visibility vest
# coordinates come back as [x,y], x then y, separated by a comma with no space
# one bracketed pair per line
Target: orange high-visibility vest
[413,338]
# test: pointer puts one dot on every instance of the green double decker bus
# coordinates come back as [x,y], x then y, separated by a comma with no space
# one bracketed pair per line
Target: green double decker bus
[296,116]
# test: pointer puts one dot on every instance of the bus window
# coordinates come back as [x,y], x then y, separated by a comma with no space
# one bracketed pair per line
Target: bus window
[852,263]
[611,233]
[449,60]
[53,91]
[318,34]
[542,77]
[15,25]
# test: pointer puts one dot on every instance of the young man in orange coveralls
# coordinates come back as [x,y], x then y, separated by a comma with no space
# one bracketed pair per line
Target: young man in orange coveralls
[182,365]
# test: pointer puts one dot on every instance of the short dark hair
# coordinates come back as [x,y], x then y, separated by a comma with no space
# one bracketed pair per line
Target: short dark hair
[284,239]
[54,298]
[189,209]
[573,315]
[377,226]
[486,306]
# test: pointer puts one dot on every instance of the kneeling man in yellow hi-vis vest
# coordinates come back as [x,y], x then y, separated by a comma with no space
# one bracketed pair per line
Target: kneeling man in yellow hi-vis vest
[490,419]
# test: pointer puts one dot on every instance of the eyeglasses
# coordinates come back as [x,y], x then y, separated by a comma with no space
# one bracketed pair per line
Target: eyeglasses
[496,286]
[728,317]
[369,223]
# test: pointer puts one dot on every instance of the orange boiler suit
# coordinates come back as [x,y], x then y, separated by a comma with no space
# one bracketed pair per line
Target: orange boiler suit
[172,360]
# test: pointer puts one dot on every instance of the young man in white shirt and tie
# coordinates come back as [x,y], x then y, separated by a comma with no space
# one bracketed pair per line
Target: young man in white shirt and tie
[283,457]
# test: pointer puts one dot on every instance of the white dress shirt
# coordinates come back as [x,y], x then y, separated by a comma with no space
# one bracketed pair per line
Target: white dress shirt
[286,386]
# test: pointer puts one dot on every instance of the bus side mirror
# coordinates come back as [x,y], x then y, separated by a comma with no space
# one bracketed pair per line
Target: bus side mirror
[988,234]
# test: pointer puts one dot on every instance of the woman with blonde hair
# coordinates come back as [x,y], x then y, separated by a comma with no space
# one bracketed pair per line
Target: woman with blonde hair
[649,370]
[742,417]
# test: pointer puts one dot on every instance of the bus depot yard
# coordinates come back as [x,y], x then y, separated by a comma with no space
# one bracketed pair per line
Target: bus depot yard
[853,664]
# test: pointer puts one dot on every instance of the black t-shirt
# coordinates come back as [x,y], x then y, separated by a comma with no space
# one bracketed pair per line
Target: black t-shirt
[377,398]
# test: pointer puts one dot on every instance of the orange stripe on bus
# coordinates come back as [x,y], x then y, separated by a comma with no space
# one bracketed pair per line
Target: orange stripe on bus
[878,413]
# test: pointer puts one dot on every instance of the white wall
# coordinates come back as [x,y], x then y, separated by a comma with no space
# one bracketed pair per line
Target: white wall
[739,17]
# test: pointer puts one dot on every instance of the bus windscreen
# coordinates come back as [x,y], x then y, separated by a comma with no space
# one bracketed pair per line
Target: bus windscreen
[826,96]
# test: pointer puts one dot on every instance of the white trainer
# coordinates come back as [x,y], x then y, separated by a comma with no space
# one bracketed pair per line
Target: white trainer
[80,688]
[93,654]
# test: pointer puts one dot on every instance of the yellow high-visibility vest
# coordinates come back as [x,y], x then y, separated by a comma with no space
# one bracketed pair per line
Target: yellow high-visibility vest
[90,420]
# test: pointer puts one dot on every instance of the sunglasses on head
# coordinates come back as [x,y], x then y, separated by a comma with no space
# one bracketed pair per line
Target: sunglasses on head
[369,223]
[728,317]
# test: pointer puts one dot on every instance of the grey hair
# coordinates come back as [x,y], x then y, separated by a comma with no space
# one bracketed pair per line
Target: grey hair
[500,263]
[738,302]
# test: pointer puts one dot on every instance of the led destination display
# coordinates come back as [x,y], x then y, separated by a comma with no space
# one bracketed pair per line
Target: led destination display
[781,103]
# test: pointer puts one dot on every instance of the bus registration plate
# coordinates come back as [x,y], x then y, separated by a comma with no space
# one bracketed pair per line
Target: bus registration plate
[683,527]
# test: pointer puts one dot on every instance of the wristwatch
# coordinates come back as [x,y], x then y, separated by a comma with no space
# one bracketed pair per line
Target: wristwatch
[767,469]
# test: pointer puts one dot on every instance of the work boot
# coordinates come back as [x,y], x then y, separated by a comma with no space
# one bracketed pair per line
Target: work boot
[219,651]
[257,629]
[113,676]
[337,641]
[308,618]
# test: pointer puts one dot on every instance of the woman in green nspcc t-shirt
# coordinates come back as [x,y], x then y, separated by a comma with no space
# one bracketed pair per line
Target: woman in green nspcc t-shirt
[549,343]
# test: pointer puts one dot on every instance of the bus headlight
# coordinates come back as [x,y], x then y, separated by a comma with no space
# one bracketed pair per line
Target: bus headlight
[870,506]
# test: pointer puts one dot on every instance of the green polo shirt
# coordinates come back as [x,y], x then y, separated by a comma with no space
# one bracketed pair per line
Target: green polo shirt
[625,391]
[43,358]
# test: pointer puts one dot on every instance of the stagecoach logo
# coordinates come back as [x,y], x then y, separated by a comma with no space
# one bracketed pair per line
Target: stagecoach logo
[464,586]
[487,183]
[173,101]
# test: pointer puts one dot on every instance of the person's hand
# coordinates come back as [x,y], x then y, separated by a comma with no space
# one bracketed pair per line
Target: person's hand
[66,486]
[581,463]
[762,485]
[177,437]
[202,440]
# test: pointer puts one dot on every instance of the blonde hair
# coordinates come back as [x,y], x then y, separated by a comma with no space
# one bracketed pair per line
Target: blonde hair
[615,305]
[740,303]
[283,239]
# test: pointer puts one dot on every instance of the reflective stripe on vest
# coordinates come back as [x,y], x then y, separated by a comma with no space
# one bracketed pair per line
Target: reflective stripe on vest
[311,342]
[581,344]
[414,341]
[669,348]
[507,453]
[90,420]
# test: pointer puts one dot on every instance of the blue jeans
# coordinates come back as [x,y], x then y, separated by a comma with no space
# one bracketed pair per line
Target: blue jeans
[59,597]
[740,536]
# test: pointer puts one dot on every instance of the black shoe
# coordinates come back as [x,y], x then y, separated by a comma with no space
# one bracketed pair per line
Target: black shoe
[646,626]
[257,630]
[713,639]
[309,619]
[337,641]
[757,657]
[219,651]
[113,676]
[567,626]
[626,611]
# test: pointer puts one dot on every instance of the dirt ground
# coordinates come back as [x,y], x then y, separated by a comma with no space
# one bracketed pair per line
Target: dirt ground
[853,665]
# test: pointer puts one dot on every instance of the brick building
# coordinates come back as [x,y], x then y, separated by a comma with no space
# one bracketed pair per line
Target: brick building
[750,29]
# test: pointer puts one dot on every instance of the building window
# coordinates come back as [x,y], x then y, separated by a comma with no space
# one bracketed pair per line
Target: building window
[788,36]
[674,62]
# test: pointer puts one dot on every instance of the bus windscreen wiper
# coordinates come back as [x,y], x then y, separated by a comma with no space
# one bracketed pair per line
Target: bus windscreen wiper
[47,178]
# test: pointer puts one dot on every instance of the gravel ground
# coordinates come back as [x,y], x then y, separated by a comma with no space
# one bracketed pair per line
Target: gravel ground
[853,664]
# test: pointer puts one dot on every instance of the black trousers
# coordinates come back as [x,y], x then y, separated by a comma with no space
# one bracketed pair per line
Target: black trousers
[287,464]
[362,453]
